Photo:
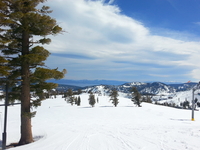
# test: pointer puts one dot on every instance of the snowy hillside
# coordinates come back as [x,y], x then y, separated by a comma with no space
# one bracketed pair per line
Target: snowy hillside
[60,126]
[178,97]
[155,88]
[150,88]
[99,89]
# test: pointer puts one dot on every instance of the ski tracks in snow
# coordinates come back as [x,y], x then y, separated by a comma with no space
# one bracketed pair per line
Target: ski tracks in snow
[100,137]
[107,137]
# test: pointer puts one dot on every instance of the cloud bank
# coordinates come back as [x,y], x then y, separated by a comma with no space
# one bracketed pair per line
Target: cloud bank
[101,42]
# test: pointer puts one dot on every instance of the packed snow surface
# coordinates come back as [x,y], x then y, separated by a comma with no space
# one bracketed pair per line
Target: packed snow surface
[60,126]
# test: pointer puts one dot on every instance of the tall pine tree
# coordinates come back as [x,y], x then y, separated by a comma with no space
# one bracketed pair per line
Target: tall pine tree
[69,96]
[79,101]
[20,22]
[136,97]
[113,97]
[92,99]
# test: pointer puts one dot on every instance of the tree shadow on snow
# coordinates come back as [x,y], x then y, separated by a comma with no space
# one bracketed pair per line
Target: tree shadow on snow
[35,138]
[38,137]
[86,107]
[180,119]
[127,106]
[106,106]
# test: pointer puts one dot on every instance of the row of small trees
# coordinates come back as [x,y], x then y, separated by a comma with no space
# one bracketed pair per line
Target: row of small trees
[70,98]
[135,97]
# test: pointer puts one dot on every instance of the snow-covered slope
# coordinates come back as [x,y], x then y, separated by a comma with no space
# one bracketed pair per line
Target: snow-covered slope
[183,86]
[144,88]
[60,126]
[150,88]
[178,97]
[99,89]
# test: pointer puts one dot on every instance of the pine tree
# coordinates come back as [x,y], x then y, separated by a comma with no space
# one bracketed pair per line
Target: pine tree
[69,93]
[92,99]
[79,101]
[149,97]
[75,100]
[69,96]
[4,69]
[20,22]
[186,104]
[113,97]
[79,91]
[136,97]
[71,100]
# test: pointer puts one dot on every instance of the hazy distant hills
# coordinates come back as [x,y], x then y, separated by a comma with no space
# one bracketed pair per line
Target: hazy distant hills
[83,83]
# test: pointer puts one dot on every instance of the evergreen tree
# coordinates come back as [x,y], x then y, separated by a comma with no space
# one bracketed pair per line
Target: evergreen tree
[113,97]
[79,101]
[75,100]
[92,99]
[69,97]
[135,96]
[71,100]
[69,93]
[198,104]
[20,22]
[79,91]
[186,104]
[149,97]
[4,69]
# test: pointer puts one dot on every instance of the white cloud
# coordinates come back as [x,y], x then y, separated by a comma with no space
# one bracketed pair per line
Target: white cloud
[198,23]
[157,75]
[99,30]
[195,74]
[111,1]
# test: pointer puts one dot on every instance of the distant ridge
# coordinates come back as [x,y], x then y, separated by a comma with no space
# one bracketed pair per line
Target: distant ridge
[83,83]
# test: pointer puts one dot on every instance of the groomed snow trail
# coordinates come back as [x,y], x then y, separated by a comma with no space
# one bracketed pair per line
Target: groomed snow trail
[60,126]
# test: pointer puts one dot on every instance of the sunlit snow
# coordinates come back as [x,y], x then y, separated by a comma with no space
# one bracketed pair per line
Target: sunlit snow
[60,126]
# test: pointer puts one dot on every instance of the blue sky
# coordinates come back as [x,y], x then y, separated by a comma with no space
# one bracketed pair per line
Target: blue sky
[127,40]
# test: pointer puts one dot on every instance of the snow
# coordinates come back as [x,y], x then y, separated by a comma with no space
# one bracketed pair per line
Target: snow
[178,97]
[60,126]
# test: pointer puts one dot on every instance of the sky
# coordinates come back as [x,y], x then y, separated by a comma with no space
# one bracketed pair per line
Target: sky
[127,40]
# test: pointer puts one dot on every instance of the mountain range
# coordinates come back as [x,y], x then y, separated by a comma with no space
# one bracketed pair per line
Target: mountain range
[154,88]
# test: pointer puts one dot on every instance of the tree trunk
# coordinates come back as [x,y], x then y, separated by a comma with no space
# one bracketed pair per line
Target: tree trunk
[26,131]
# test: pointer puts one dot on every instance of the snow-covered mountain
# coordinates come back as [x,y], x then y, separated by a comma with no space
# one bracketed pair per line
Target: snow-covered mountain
[148,88]
[183,86]
[155,88]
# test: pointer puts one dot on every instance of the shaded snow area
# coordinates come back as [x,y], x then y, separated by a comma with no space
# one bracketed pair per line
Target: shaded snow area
[60,126]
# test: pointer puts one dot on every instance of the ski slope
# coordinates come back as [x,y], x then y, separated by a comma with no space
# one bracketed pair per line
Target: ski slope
[60,126]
